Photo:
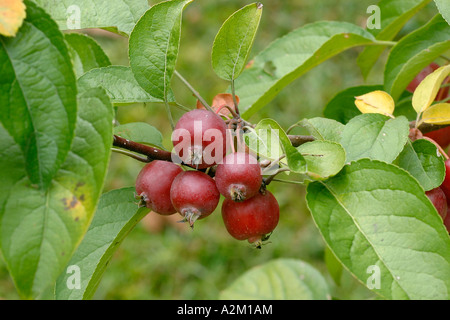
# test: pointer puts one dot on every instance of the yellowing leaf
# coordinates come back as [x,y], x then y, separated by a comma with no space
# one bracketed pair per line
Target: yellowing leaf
[437,114]
[375,102]
[12,14]
[427,90]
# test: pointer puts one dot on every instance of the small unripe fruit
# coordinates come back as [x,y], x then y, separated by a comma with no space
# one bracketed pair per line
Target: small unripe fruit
[199,138]
[239,176]
[153,186]
[194,195]
[252,219]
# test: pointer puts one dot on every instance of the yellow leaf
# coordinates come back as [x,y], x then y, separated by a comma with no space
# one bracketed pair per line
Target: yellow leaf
[427,90]
[375,102]
[437,114]
[12,14]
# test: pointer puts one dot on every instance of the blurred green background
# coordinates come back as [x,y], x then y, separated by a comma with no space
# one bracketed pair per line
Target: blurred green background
[163,259]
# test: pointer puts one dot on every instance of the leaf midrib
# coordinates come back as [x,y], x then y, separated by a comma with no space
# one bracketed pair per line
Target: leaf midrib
[165,57]
[33,127]
[239,51]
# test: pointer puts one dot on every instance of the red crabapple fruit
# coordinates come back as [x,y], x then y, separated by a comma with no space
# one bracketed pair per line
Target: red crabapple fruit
[447,220]
[238,177]
[194,195]
[445,186]
[199,138]
[439,200]
[253,219]
[153,186]
[440,136]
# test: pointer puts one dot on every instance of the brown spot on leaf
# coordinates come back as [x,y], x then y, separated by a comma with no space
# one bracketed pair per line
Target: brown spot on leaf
[79,184]
[74,202]
[70,204]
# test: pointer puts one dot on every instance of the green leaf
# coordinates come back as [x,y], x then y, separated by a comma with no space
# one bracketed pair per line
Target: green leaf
[40,229]
[117,15]
[292,55]
[334,267]
[140,132]
[394,15]
[120,85]
[404,107]
[374,215]
[444,9]
[280,279]
[375,136]
[263,143]
[234,41]
[323,128]
[269,130]
[413,53]
[117,214]
[38,94]
[154,45]
[342,106]
[86,53]
[424,162]
[323,158]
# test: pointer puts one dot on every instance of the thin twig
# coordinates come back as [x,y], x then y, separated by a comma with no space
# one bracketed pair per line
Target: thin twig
[169,114]
[233,94]
[235,115]
[292,127]
[288,181]
[191,88]
[273,163]
[270,178]
[131,154]
[150,152]
[180,106]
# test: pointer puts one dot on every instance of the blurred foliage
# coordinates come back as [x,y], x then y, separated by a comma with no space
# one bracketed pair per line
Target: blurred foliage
[164,259]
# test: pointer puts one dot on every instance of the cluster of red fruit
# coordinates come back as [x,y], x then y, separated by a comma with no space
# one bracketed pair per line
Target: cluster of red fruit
[249,211]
